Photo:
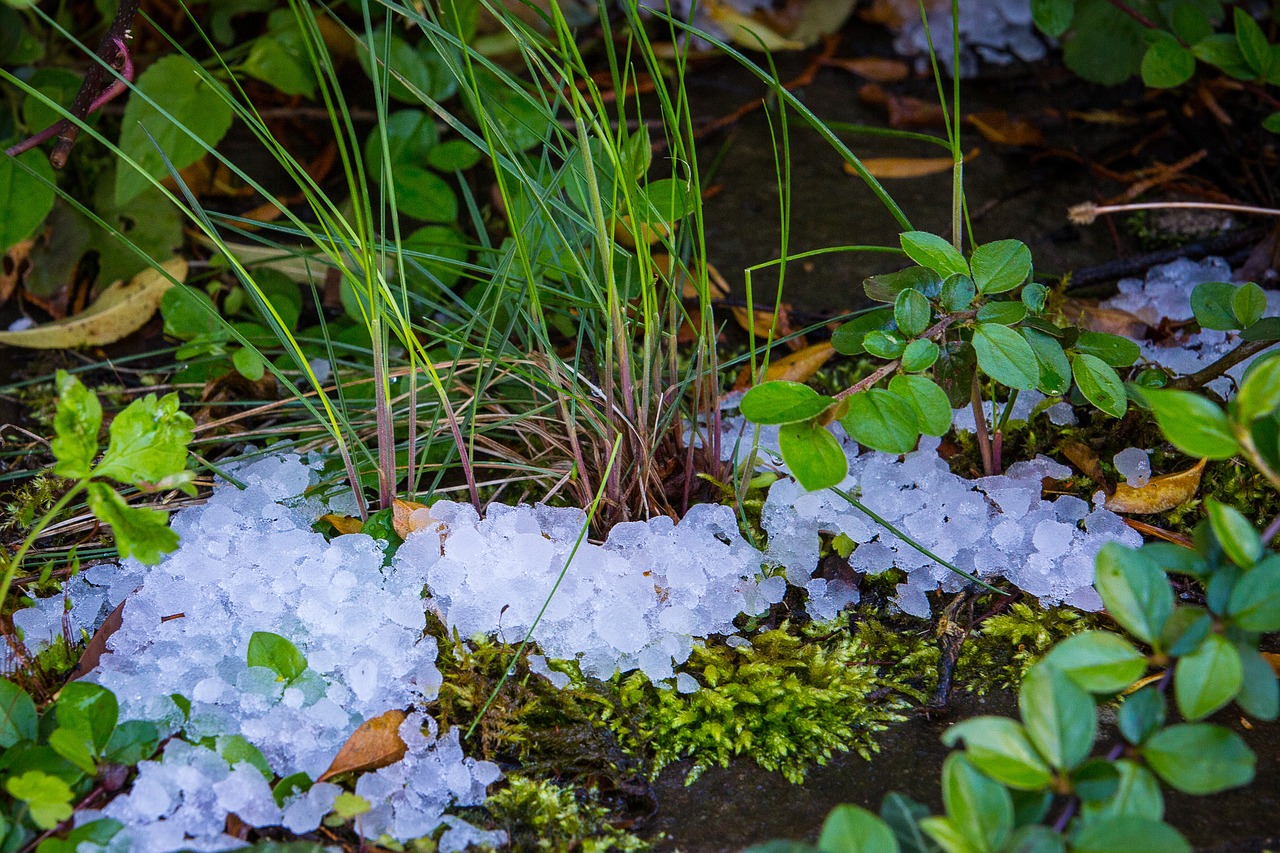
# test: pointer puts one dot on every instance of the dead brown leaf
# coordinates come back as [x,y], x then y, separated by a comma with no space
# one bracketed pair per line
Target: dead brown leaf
[342,523]
[98,643]
[1159,494]
[1002,128]
[874,68]
[896,13]
[908,167]
[1084,458]
[375,744]
[766,323]
[13,267]
[908,113]
[1160,533]
[794,367]
[1089,315]
[1273,659]
[408,516]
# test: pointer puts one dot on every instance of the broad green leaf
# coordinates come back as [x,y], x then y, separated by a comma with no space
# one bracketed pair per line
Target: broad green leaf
[1259,695]
[70,745]
[1192,424]
[1185,630]
[198,105]
[148,441]
[980,809]
[1035,838]
[903,816]
[1113,50]
[249,364]
[290,786]
[1272,122]
[1113,349]
[999,747]
[887,287]
[882,420]
[1034,296]
[927,400]
[17,715]
[1096,780]
[664,201]
[434,258]
[26,198]
[76,424]
[1208,678]
[1128,834]
[1053,17]
[1235,533]
[1059,716]
[1259,393]
[276,654]
[1253,43]
[1099,383]
[1000,266]
[954,371]
[1190,23]
[424,195]
[411,134]
[139,532]
[1221,51]
[1211,305]
[1137,794]
[454,155]
[189,314]
[235,749]
[1003,313]
[520,119]
[957,293]
[849,337]
[946,836]
[279,57]
[1135,591]
[58,85]
[930,250]
[1248,304]
[886,345]
[89,709]
[1005,356]
[782,402]
[813,454]
[850,829]
[1167,63]
[1200,758]
[48,798]
[920,355]
[781,846]
[413,73]
[1055,370]
[1141,715]
[1255,600]
[131,742]
[912,313]
[1098,661]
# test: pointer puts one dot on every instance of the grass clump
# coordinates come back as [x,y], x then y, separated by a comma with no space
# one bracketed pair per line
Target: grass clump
[542,815]
[786,702]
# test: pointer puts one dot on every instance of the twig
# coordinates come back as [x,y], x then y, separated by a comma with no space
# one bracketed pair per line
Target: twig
[1086,213]
[884,370]
[1195,380]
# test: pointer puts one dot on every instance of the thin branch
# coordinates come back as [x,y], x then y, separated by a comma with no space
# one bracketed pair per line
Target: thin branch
[1192,381]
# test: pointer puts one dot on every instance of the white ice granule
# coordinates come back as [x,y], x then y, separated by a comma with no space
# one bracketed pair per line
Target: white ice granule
[995,31]
[1134,465]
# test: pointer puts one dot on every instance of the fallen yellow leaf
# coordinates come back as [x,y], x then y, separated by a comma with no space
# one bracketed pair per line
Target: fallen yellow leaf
[408,516]
[1003,129]
[375,744]
[1084,458]
[343,523]
[1159,494]
[908,167]
[794,367]
[1273,659]
[120,310]
[747,31]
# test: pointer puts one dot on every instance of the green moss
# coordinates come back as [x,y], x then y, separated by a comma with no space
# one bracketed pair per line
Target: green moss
[1002,649]
[785,701]
[541,815]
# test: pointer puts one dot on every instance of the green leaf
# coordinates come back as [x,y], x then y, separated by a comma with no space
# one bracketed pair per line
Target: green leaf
[1192,424]
[198,105]
[1235,533]
[887,287]
[927,400]
[48,798]
[1003,313]
[920,355]
[1112,49]
[425,195]
[89,709]
[411,135]
[1055,370]
[850,829]
[290,786]
[1060,717]
[454,155]
[141,532]
[1259,393]
[71,746]
[1211,304]
[782,402]
[279,57]
[903,816]
[1253,43]
[131,742]
[1248,304]
[1200,758]
[1113,349]
[148,441]
[1266,329]
[189,314]
[1185,630]
[76,422]
[1128,834]
[946,836]
[957,293]
[1137,793]
[912,312]
[1259,695]
[813,454]
[1095,780]
[17,715]
[1034,838]
[1221,51]
[1099,383]
[413,73]
[848,339]
[1034,296]
[886,345]
[1053,17]
[25,197]
[1098,661]
[1255,601]
[1005,356]
[1141,714]
[1000,748]
[235,749]
[930,250]
[276,654]
[1272,123]
[1190,23]
[665,201]
[1208,678]
[1135,591]
[1000,266]
[980,809]
[519,117]
[882,420]
[249,364]
[434,258]
[1166,63]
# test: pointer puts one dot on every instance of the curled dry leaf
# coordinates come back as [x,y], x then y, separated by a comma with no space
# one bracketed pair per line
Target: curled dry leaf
[1089,315]
[97,646]
[1003,129]
[408,516]
[342,523]
[874,68]
[1084,458]
[12,267]
[1159,494]
[1160,533]
[795,367]
[375,744]
[1273,659]
[908,167]
[766,323]
[120,310]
